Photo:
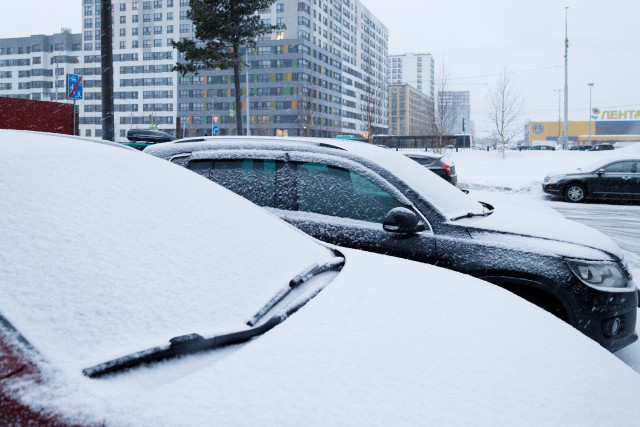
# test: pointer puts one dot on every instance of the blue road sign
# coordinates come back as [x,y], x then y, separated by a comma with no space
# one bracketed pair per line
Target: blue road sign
[74,86]
[215,130]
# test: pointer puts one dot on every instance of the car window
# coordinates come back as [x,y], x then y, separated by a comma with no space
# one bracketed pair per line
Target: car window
[335,191]
[254,179]
[620,167]
[202,167]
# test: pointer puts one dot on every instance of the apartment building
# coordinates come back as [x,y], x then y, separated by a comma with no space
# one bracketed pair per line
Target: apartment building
[415,69]
[459,103]
[323,75]
[34,67]
[409,111]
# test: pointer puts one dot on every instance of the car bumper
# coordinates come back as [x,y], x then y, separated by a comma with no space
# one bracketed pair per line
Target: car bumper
[609,319]
[555,189]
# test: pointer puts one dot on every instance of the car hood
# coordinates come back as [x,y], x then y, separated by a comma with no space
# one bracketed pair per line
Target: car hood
[566,237]
[388,342]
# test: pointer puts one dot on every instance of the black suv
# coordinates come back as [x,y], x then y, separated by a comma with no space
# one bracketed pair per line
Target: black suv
[356,195]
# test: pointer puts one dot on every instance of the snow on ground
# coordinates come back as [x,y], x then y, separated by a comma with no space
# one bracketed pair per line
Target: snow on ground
[517,179]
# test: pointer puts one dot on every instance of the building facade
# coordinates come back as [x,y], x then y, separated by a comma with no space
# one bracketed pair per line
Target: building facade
[408,111]
[460,104]
[34,67]
[321,76]
[600,130]
[415,69]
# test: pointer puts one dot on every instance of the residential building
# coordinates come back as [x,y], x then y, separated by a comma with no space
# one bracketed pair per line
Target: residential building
[34,67]
[408,111]
[415,69]
[323,75]
[460,104]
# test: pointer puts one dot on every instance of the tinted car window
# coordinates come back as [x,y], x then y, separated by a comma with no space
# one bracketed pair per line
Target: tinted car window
[252,179]
[202,167]
[334,191]
[620,167]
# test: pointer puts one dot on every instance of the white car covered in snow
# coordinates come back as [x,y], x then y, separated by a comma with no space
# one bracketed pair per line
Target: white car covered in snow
[134,292]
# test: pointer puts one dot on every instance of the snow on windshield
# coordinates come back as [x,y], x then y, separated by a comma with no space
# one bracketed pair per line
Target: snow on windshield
[113,251]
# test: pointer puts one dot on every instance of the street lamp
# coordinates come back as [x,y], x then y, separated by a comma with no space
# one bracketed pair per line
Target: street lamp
[590,86]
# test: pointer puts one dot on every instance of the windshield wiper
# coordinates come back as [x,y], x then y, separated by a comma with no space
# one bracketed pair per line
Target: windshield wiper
[194,343]
[472,214]
[311,271]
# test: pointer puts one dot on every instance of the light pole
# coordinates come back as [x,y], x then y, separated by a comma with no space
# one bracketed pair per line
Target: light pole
[590,86]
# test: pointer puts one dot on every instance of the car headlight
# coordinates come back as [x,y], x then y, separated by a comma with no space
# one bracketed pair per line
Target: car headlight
[602,275]
[551,179]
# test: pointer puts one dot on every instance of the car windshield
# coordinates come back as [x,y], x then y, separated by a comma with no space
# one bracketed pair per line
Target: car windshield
[126,267]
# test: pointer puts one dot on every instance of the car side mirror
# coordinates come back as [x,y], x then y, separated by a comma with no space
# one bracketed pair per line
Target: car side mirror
[600,172]
[402,220]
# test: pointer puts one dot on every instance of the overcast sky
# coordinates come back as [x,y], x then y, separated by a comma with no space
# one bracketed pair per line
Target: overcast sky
[475,40]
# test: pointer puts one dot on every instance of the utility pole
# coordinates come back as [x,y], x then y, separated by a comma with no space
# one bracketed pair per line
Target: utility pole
[106,47]
[590,86]
[566,79]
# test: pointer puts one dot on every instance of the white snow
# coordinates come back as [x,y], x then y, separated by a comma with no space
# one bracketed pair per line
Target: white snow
[106,251]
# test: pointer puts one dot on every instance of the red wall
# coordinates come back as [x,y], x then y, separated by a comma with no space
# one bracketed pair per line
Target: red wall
[42,116]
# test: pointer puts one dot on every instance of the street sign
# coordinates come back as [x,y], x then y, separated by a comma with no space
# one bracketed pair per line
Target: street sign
[74,86]
[215,130]
[216,119]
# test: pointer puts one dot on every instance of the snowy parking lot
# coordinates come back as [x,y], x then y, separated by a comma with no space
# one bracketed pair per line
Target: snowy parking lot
[517,179]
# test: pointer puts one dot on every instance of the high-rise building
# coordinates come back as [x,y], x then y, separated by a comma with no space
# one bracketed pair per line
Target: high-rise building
[409,110]
[34,67]
[415,69]
[459,103]
[323,75]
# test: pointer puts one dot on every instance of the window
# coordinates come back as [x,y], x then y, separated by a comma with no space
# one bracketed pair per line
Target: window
[334,191]
[280,7]
[123,7]
[134,18]
[123,45]
[169,29]
[620,167]
[123,19]
[251,178]
[157,17]
[169,16]
[123,32]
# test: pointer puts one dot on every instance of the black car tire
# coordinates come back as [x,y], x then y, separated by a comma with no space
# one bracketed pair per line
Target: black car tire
[575,192]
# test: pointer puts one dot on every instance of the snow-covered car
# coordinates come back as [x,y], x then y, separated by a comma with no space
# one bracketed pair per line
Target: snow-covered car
[358,338]
[615,177]
[356,195]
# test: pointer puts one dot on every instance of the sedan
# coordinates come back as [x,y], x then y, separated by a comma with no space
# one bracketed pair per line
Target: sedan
[206,310]
[438,164]
[614,178]
[363,197]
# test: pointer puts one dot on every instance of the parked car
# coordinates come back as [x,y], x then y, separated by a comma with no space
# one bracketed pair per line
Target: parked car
[580,147]
[438,164]
[142,138]
[356,195]
[542,148]
[361,339]
[602,147]
[616,178]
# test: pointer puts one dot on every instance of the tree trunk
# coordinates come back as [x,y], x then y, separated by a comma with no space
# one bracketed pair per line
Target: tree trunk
[236,82]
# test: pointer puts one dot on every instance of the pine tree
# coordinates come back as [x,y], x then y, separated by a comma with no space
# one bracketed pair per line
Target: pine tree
[221,27]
